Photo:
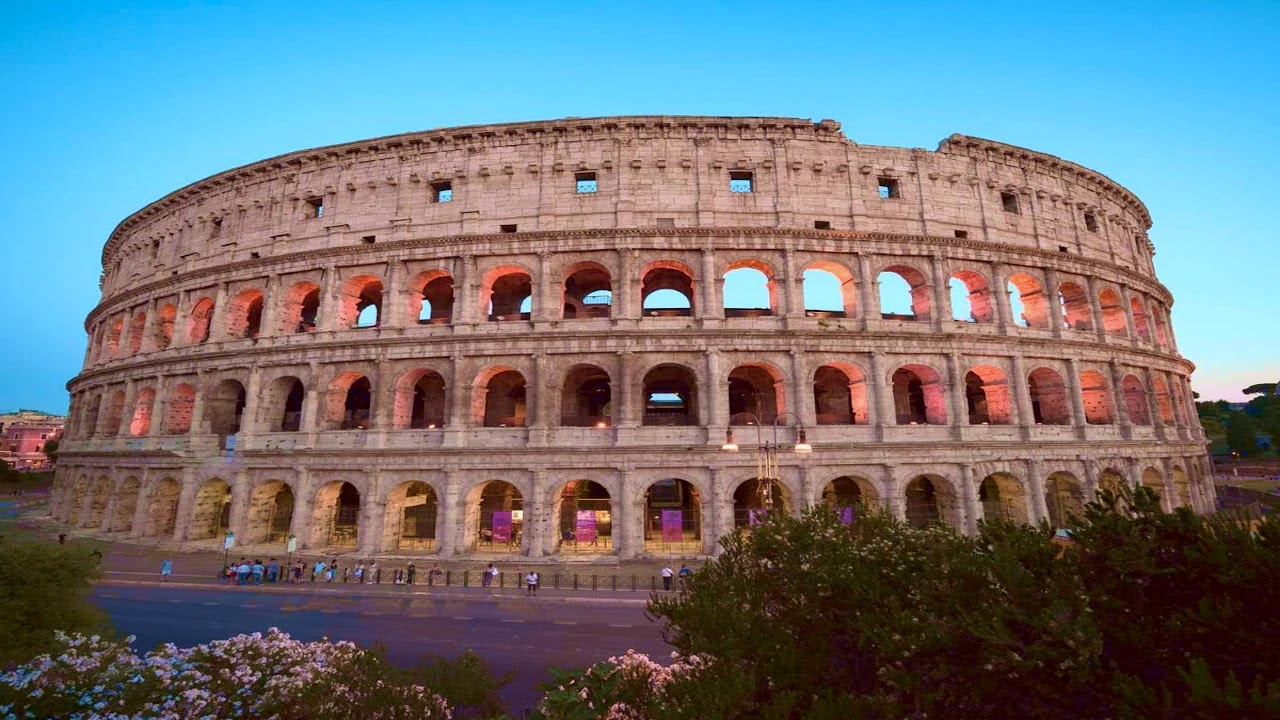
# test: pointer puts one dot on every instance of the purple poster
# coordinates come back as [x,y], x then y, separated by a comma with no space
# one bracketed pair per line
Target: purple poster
[584,530]
[672,525]
[846,515]
[502,526]
[755,517]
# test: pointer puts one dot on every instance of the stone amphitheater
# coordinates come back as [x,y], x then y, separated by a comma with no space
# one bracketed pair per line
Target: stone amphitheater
[546,339]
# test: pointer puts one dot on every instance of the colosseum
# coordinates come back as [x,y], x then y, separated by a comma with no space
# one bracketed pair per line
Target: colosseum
[547,339]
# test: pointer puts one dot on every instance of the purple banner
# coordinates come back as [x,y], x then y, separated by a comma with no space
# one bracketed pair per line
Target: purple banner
[502,526]
[584,529]
[755,517]
[672,525]
[846,515]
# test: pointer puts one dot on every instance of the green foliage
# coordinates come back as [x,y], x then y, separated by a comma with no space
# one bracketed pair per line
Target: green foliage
[51,451]
[44,588]
[466,683]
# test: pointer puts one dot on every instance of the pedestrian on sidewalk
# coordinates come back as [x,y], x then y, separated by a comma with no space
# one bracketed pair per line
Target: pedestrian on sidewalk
[667,574]
[297,572]
[360,573]
[317,572]
[227,572]
[258,571]
[486,578]
[166,569]
[273,571]
[242,573]
[410,574]
[329,572]
[531,581]
[685,572]
[375,575]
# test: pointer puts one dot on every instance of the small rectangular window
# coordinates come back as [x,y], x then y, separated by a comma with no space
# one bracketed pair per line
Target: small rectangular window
[254,255]
[665,222]
[315,207]
[888,188]
[962,234]
[821,224]
[215,227]
[441,192]
[369,239]
[507,228]
[740,182]
[1063,248]
[1009,201]
[1091,222]
[585,182]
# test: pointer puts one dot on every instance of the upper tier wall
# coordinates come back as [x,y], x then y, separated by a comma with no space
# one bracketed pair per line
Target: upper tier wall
[650,171]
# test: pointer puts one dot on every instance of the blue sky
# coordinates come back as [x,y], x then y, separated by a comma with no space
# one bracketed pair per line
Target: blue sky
[108,109]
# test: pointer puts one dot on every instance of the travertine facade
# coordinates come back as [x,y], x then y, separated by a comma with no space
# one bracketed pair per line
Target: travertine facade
[434,342]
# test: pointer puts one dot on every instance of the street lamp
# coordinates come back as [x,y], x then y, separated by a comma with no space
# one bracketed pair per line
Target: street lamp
[767,469]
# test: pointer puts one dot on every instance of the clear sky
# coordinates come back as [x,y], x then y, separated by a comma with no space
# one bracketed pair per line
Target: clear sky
[106,110]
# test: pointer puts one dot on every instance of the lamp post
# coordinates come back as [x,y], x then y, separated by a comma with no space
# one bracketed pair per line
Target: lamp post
[767,467]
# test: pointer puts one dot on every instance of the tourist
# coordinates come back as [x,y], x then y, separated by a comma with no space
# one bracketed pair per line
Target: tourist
[360,573]
[273,571]
[667,574]
[242,573]
[258,570]
[684,574]
[410,574]
[166,569]
[331,571]
[531,582]
[375,575]
[228,571]
[486,579]
[317,572]
[298,569]
[434,573]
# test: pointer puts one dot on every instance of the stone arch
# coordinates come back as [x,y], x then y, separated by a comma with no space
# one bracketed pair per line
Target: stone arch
[91,414]
[917,288]
[1164,401]
[849,496]
[113,337]
[1162,330]
[211,511]
[918,396]
[224,408]
[75,514]
[1113,319]
[199,322]
[506,293]
[1154,479]
[282,404]
[1140,321]
[360,302]
[987,396]
[411,517]
[1181,496]
[840,395]
[350,402]
[494,521]
[99,498]
[752,501]
[182,403]
[137,326]
[421,400]
[1002,497]
[500,398]
[673,510]
[431,296]
[670,395]
[140,419]
[667,289]
[336,515]
[757,388]
[1077,313]
[1064,498]
[244,314]
[750,282]
[166,318]
[1097,398]
[1111,479]
[586,292]
[115,413]
[1135,400]
[584,518]
[162,511]
[976,296]
[931,499]
[271,508]
[301,308]
[586,398]
[1029,292]
[829,290]
[1049,404]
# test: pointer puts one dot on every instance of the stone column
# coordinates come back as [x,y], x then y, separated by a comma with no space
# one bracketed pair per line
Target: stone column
[881,389]
[466,302]
[241,495]
[542,384]
[894,501]
[272,298]
[716,403]
[181,312]
[1153,406]
[959,396]
[868,306]
[1095,308]
[793,283]
[303,507]
[142,512]
[720,503]
[622,393]
[1078,416]
[1053,297]
[149,327]
[329,302]
[711,308]
[545,306]
[1168,331]
[1117,397]
[802,392]
[631,523]
[969,495]
[452,515]
[126,412]
[941,294]
[253,403]
[218,323]
[109,512]
[537,518]
[1038,508]
[373,509]
[626,295]
[1000,297]
[393,300]
[383,398]
[186,504]
[1020,388]
[160,406]
[460,389]
[1131,324]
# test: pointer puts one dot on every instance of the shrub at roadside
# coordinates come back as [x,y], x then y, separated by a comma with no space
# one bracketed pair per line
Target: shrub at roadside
[43,589]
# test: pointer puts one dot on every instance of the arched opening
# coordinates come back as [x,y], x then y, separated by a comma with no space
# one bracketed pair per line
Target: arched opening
[1111,481]
[970,297]
[282,407]
[500,399]
[1002,498]
[224,408]
[113,338]
[1181,489]
[431,298]
[115,412]
[162,333]
[270,513]
[420,401]
[211,514]
[199,323]
[587,292]
[77,501]
[1162,331]
[182,403]
[753,501]
[987,396]
[670,396]
[672,518]
[931,499]
[1049,404]
[849,497]
[162,515]
[1027,300]
[136,328]
[667,290]
[1064,499]
[1097,398]
[244,318]
[1151,478]
[126,505]
[904,294]
[585,518]
[506,293]
[1113,319]
[1076,314]
[91,414]
[918,398]
[749,290]
[498,511]
[140,422]
[360,302]
[1140,320]
[350,402]
[1164,400]
[99,498]
[1135,400]
[829,291]
[586,400]
[336,521]
[301,308]
[410,518]
[755,389]
[840,395]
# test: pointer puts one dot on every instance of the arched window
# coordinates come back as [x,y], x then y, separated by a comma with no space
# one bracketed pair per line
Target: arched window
[667,290]
[244,319]
[1064,499]
[199,323]
[587,291]
[918,396]
[1113,319]
[301,308]
[1135,400]
[166,315]
[1140,318]
[349,402]
[755,389]
[987,396]
[431,298]
[931,499]
[1048,397]
[495,517]
[140,422]
[163,511]
[849,497]
[754,500]
[270,513]
[211,512]
[585,518]
[749,290]
[506,293]
[829,291]
[336,519]
[420,401]
[670,396]
[91,414]
[411,513]
[840,395]
[904,294]
[360,302]
[672,518]
[224,408]
[136,328]
[1164,400]
[113,338]
[970,297]
[182,401]
[1027,300]
[114,412]
[1002,498]
[502,399]
[1076,314]
[1097,398]
[586,400]
[282,406]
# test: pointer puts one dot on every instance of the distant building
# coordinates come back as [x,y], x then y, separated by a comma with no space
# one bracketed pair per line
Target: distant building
[24,435]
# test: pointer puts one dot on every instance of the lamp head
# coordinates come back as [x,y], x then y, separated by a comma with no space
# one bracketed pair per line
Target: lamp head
[729,445]
[802,444]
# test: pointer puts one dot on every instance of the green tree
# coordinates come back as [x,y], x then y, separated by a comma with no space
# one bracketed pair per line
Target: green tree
[44,588]
[51,451]
[1242,432]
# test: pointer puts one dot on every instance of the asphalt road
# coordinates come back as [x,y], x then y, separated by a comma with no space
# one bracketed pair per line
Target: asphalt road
[520,635]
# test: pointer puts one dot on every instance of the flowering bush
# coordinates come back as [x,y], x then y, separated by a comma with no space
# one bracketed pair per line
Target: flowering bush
[248,676]
[624,687]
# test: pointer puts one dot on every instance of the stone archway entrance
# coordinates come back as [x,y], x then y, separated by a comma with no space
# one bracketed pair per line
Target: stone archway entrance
[336,521]
[412,509]
[270,513]
[498,525]
[211,515]
[585,518]
[673,518]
